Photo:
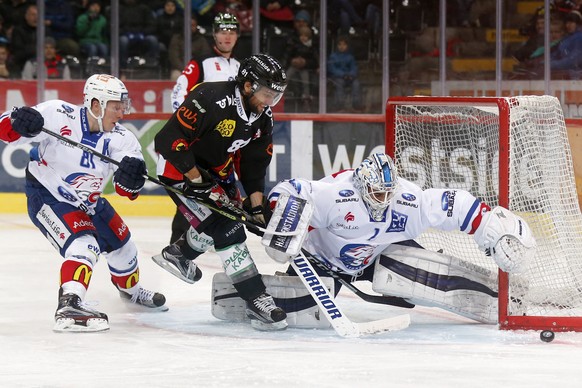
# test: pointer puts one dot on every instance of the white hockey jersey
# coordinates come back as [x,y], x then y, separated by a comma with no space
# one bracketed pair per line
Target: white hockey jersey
[69,173]
[344,235]
[210,69]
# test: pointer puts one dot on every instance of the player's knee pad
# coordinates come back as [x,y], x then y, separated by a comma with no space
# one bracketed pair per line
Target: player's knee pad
[123,266]
[84,246]
[288,292]
[237,262]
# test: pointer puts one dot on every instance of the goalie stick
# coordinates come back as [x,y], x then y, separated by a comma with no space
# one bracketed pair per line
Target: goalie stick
[233,212]
[338,320]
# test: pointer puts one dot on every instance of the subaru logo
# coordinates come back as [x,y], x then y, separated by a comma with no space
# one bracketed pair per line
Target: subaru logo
[346,193]
[409,197]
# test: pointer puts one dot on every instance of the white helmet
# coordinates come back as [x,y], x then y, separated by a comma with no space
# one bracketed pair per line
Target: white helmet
[376,179]
[104,88]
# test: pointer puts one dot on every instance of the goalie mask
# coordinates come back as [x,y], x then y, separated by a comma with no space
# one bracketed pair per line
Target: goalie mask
[376,180]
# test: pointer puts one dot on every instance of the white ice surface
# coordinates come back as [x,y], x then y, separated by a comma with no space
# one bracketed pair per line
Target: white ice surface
[187,347]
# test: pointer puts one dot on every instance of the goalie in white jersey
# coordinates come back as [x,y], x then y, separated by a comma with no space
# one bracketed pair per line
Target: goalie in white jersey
[63,188]
[364,222]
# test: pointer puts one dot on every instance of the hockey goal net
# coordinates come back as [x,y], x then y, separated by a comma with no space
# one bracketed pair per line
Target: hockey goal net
[512,152]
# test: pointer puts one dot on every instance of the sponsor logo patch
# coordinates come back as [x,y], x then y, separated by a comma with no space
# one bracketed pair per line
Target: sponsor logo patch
[346,193]
[226,127]
[78,221]
[54,226]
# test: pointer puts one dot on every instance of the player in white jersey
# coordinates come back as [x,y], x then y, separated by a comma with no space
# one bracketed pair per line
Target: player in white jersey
[219,66]
[359,215]
[63,188]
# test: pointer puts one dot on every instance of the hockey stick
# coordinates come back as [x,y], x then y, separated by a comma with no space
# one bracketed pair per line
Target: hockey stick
[338,320]
[379,299]
[234,213]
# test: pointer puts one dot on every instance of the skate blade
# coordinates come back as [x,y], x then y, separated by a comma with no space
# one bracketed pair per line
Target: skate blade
[262,326]
[68,325]
[138,307]
[159,260]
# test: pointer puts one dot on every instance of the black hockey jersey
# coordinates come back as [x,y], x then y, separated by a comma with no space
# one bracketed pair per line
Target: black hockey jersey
[212,130]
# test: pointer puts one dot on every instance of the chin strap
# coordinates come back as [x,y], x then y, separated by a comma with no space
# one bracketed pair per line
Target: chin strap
[99,119]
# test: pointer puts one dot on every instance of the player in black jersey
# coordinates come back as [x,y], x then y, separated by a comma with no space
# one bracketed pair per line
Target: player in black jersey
[223,130]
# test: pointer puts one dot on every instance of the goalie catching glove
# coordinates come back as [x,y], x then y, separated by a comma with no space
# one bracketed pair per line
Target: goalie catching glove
[507,238]
[130,177]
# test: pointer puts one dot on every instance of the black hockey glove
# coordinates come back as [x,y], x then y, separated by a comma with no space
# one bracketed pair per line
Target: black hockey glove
[260,214]
[205,191]
[26,121]
[129,177]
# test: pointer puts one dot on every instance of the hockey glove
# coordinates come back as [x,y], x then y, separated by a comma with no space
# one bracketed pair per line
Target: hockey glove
[27,122]
[261,214]
[130,177]
[206,190]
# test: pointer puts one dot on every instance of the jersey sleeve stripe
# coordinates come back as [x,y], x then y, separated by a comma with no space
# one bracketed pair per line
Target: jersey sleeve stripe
[470,214]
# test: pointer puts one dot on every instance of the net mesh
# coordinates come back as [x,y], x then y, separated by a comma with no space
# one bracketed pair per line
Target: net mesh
[457,146]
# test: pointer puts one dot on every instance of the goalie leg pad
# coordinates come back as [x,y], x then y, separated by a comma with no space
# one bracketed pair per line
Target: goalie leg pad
[433,279]
[290,214]
[288,292]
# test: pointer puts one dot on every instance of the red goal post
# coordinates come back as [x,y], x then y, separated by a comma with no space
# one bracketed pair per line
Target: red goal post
[508,151]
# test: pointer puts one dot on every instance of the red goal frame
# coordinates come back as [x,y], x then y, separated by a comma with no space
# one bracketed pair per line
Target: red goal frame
[506,321]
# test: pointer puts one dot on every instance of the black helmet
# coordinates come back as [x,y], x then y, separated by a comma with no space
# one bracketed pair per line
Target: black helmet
[262,69]
[224,22]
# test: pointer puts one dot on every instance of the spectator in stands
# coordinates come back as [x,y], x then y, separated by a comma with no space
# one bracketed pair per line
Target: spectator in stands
[343,14]
[24,38]
[13,11]
[169,23]
[92,30]
[59,19]
[7,69]
[137,28]
[535,40]
[568,53]
[463,11]
[276,13]
[55,66]
[342,71]
[557,32]
[302,61]
[199,46]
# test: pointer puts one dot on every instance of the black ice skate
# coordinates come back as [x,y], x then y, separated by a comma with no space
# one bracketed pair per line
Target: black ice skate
[172,260]
[150,299]
[73,316]
[265,315]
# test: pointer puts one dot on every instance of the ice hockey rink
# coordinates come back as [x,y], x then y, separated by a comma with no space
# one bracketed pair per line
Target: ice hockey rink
[188,347]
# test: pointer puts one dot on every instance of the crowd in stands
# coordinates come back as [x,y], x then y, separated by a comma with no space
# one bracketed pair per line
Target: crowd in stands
[151,38]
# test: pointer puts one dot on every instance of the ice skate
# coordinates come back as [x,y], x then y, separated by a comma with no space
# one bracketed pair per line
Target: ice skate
[173,261]
[154,301]
[73,316]
[265,315]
